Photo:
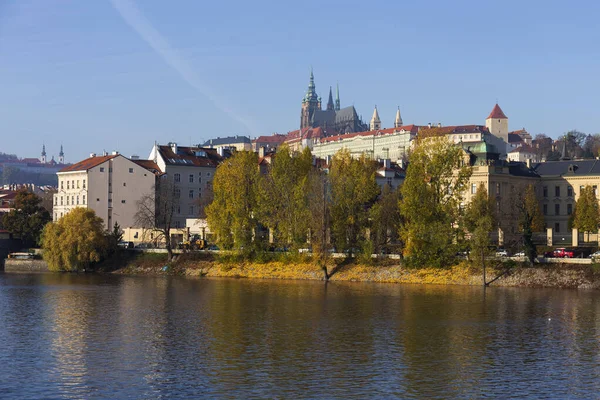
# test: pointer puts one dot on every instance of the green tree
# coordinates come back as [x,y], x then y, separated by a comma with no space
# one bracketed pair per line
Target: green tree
[75,241]
[586,216]
[233,214]
[386,220]
[530,219]
[479,221]
[319,204]
[28,218]
[436,179]
[284,200]
[353,191]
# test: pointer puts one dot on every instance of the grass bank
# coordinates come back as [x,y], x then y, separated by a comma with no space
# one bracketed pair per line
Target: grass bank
[385,271]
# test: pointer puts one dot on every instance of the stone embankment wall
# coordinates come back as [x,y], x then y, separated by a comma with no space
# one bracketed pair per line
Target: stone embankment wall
[12,265]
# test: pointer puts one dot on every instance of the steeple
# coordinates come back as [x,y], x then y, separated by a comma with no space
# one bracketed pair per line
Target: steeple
[310,103]
[61,156]
[398,121]
[330,105]
[375,121]
[43,158]
[564,155]
[337,97]
[497,123]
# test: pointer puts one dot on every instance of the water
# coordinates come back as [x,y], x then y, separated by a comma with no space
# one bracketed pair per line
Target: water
[69,336]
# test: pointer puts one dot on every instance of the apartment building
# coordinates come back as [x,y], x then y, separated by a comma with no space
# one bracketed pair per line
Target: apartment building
[192,170]
[111,185]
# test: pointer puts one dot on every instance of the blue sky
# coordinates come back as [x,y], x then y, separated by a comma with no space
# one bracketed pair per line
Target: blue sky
[119,74]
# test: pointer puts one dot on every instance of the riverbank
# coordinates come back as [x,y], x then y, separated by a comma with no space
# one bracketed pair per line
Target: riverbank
[388,271]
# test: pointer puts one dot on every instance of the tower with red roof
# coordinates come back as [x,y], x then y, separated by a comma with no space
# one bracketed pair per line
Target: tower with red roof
[497,123]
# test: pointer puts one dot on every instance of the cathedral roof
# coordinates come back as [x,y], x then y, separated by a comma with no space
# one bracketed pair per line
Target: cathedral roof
[497,113]
[345,114]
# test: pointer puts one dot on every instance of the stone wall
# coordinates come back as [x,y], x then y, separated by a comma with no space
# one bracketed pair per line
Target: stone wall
[12,265]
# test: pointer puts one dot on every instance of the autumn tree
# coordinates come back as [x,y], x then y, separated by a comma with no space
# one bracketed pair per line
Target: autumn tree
[27,218]
[479,221]
[530,219]
[233,216]
[319,207]
[156,211]
[353,190]
[586,216]
[75,242]
[385,219]
[436,179]
[283,198]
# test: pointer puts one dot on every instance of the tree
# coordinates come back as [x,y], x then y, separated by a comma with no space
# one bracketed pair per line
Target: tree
[586,216]
[28,218]
[530,219]
[479,221]
[319,204]
[283,198]
[436,179]
[75,241]
[385,219]
[591,146]
[233,214]
[114,237]
[156,211]
[353,191]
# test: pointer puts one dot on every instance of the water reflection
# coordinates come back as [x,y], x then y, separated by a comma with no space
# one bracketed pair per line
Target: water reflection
[109,337]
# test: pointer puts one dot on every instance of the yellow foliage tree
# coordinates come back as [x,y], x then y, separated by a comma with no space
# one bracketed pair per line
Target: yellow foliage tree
[74,242]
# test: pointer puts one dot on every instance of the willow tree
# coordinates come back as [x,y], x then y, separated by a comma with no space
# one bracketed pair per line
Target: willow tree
[436,179]
[353,191]
[586,216]
[284,197]
[233,216]
[75,241]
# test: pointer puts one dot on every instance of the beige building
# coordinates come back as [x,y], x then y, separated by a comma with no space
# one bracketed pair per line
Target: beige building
[110,185]
[237,142]
[192,170]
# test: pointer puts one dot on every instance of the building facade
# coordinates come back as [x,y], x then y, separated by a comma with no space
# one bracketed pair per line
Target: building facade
[111,185]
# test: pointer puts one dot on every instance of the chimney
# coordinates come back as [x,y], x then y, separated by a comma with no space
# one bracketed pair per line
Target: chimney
[114,153]
[173,147]
[104,153]
[92,155]
[221,151]
[429,125]
[528,163]
[135,157]
[439,124]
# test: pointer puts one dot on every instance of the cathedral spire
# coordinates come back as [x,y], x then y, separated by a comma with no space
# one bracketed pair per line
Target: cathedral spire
[43,158]
[398,121]
[330,105]
[61,156]
[337,97]
[375,121]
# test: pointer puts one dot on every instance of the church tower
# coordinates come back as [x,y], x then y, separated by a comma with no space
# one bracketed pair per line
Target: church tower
[61,156]
[497,123]
[43,157]
[398,120]
[375,121]
[330,106]
[337,97]
[310,103]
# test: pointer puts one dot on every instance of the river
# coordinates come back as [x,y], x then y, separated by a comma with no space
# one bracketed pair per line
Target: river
[96,336]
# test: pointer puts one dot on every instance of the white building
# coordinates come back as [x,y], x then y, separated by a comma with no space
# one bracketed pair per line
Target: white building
[111,185]
[192,170]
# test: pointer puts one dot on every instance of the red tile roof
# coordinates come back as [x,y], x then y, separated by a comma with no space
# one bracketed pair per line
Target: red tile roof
[523,149]
[275,138]
[497,113]
[411,128]
[88,163]
[149,165]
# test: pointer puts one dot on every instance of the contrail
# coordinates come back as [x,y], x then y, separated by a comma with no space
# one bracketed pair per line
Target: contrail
[136,20]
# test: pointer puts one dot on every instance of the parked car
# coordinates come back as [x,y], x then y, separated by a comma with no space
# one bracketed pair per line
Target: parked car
[595,255]
[520,254]
[125,245]
[564,253]
[501,253]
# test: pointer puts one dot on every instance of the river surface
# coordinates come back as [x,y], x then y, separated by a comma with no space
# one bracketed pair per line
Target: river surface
[92,336]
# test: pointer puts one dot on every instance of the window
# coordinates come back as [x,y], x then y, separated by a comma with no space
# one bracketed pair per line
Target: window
[191,210]
[55,201]
[177,193]
[61,200]
[473,188]
[67,200]
[557,209]
[83,199]
[176,224]
[556,227]
[498,189]
[191,194]
[110,169]
[545,208]
[101,169]
[557,191]
[124,184]
[77,183]
[62,186]
[545,191]
[131,170]
[122,201]
[97,199]
[570,191]
[73,183]
[77,200]
[191,178]
[110,200]
[68,185]
[569,209]
[208,174]
[178,210]
[389,182]
[84,183]
[177,178]
[199,179]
